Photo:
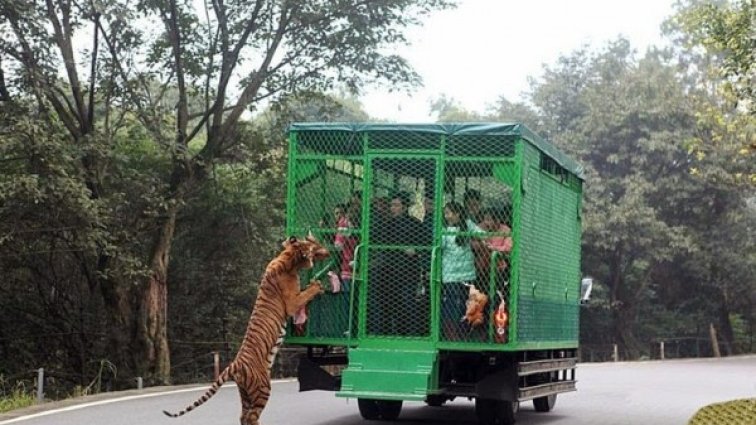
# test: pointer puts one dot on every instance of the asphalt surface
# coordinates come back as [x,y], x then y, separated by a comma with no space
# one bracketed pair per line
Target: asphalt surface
[660,393]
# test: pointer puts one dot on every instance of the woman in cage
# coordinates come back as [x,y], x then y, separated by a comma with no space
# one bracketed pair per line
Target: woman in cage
[500,240]
[345,242]
[457,268]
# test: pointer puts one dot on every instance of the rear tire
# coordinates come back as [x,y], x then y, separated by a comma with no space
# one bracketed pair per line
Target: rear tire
[435,400]
[387,410]
[545,403]
[495,412]
[368,408]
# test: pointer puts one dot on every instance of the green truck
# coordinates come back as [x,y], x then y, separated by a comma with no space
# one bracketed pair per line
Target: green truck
[416,215]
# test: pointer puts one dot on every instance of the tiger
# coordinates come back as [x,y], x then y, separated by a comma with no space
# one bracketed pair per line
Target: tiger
[279,298]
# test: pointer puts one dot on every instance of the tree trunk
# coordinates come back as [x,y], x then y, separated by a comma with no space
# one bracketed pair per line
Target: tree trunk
[154,360]
[725,328]
[624,320]
[623,304]
[138,315]
[118,299]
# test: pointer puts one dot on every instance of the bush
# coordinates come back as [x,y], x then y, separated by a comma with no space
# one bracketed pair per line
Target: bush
[15,398]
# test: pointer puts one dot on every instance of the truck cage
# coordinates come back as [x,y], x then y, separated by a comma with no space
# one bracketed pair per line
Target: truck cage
[383,198]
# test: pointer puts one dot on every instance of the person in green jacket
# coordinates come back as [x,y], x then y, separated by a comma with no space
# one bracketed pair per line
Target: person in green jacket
[457,268]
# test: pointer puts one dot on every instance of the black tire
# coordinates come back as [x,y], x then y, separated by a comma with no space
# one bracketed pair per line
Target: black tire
[368,409]
[495,412]
[435,400]
[387,410]
[545,403]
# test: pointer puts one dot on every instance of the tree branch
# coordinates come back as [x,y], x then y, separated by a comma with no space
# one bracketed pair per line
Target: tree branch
[4,95]
[174,33]
[93,75]
[147,121]
[39,83]
[230,59]
[63,40]
[257,79]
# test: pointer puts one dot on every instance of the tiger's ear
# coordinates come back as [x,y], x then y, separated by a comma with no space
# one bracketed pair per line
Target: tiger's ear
[290,241]
[311,237]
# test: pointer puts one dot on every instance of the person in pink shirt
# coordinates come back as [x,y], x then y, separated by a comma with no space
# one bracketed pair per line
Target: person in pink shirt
[345,242]
[493,221]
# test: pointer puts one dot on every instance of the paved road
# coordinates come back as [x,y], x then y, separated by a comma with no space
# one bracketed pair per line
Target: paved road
[658,393]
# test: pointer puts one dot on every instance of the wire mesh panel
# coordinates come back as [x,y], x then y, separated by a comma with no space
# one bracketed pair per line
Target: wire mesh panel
[550,253]
[401,240]
[475,248]
[326,199]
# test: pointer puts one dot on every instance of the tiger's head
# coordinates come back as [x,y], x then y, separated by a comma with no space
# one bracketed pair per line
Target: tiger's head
[306,251]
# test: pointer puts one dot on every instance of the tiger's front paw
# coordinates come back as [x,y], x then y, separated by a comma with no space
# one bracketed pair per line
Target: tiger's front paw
[317,285]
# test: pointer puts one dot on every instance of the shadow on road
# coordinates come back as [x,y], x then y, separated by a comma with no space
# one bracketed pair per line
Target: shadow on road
[454,413]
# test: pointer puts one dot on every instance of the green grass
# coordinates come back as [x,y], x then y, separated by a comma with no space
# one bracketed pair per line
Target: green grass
[15,399]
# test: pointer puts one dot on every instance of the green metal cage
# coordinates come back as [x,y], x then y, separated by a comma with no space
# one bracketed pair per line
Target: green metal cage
[416,214]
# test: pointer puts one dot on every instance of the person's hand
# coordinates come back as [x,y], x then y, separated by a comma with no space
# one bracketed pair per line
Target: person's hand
[410,251]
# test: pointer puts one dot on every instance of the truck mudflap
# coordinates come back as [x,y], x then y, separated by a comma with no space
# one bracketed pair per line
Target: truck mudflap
[313,377]
[501,385]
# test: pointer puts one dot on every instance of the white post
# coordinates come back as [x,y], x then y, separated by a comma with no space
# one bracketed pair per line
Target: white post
[615,354]
[40,385]
[714,340]
[139,382]
[216,365]
[661,349]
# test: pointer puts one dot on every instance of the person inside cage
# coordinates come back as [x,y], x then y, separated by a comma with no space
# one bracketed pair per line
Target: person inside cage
[345,242]
[354,208]
[500,240]
[473,203]
[457,268]
[425,257]
[399,267]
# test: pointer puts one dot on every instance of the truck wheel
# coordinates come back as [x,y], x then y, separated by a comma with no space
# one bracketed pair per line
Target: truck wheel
[435,400]
[372,410]
[368,408]
[545,403]
[495,412]
[389,409]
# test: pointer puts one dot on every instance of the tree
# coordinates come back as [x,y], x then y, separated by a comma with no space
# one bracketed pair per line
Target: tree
[622,118]
[716,51]
[233,56]
[449,110]
[725,30]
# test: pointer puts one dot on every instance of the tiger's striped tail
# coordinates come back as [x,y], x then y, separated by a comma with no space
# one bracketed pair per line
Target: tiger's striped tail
[222,378]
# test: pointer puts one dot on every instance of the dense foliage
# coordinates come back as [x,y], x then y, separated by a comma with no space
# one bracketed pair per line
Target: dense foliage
[117,116]
[138,205]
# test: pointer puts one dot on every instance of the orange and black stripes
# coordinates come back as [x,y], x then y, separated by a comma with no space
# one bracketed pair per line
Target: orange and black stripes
[266,329]
[222,378]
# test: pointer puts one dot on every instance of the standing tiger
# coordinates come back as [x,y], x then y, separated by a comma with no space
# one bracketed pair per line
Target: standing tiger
[278,298]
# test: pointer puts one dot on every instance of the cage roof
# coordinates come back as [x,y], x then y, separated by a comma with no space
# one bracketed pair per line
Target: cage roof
[456,129]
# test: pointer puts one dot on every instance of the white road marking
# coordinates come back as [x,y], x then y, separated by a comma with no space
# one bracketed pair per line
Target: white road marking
[116,400]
